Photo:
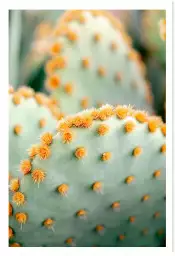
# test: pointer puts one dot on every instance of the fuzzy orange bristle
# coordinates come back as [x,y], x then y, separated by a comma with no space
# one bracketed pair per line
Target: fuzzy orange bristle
[115,205]
[72,36]
[122,112]
[103,129]
[86,62]
[43,152]
[97,186]
[10,209]
[81,213]
[145,198]
[21,217]
[99,228]
[163,148]
[67,136]
[60,62]
[152,125]
[80,152]
[54,82]
[42,122]
[11,233]
[129,179]
[163,129]
[106,156]
[69,241]
[14,185]
[132,219]
[101,71]
[63,189]
[16,98]
[32,152]
[26,92]
[97,37]
[141,116]
[18,198]
[85,102]
[121,237]
[48,223]
[25,166]
[56,48]
[38,176]
[157,173]
[47,138]
[40,98]
[68,88]
[137,151]
[86,122]
[95,114]
[18,129]
[130,126]
[105,113]
[50,67]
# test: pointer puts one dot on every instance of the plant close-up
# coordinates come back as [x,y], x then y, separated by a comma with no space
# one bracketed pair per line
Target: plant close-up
[87,128]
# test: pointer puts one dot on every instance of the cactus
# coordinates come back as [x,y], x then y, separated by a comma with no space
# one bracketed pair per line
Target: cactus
[90,66]
[150,34]
[23,39]
[99,182]
[30,115]
[37,45]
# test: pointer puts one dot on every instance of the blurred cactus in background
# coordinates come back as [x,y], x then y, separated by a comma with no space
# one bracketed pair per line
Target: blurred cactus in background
[87,135]
[89,66]
[29,37]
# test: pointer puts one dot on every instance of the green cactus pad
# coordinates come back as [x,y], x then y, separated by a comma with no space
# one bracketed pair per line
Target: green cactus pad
[99,182]
[93,63]
[30,114]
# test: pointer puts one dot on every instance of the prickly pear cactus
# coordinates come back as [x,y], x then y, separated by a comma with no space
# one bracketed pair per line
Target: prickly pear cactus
[99,182]
[30,115]
[38,50]
[151,36]
[92,63]
[29,37]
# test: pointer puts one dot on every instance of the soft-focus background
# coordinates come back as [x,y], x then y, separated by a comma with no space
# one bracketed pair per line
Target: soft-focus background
[29,35]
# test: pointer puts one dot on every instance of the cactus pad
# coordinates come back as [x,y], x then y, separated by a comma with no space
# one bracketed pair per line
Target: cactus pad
[93,63]
[99,182]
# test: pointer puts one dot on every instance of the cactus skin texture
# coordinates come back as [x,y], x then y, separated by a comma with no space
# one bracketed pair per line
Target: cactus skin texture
[30,115]
[101,182]
[93,63]
[151,35]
